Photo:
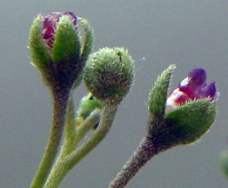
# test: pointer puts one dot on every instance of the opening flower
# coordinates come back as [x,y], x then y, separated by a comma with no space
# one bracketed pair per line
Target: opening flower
[193,87]
[50,21]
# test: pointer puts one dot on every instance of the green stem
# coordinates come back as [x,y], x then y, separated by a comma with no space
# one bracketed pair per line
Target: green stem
[73,136]
[147,149]
[60,101]
[88,124]
[69,131]
[64,166]
[71,143]
[144,152]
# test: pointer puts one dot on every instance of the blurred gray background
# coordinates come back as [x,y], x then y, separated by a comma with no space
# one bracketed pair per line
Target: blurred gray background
[191,33]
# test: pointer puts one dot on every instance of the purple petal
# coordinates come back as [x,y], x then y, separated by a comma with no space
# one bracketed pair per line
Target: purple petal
[198,76]
[49,25]
[209,90]
[192,84]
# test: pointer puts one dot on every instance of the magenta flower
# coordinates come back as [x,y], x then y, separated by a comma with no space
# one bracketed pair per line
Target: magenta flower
[193,87]
[49,25]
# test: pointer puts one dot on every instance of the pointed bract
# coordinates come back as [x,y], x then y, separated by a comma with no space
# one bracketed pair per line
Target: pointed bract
[158,94]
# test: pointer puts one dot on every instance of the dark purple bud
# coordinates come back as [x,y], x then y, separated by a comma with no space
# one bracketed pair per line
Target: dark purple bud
[50,22]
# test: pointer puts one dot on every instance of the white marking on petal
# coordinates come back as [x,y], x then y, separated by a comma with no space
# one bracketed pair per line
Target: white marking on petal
[184,82]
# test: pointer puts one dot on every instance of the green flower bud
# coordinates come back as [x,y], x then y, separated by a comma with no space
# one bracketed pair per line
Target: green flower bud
[224,162]
[109,73]
[88,104]
[57,48]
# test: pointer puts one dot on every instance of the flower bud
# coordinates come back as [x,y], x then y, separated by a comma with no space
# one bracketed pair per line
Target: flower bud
[190,109]
[56,46]
[224,162]
[87,104]
[109,73]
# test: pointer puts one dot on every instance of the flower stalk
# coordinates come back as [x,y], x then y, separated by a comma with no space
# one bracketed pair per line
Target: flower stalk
[59,54]
[144,152]
[87,125]
[60,101]
[69,131]
[65,165]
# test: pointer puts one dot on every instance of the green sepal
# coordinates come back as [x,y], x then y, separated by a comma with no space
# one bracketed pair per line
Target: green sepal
[87,39]
[66,46]
[87,105]
[224,162]
[158,94]
[38,50]
[189,122]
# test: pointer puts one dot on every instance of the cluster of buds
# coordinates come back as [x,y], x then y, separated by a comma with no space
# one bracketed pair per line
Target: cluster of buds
[59,44]
[60,51]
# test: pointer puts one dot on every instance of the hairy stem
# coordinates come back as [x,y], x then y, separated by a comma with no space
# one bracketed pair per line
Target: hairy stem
[64,166]
[69,131]
[88,124]
[90,121]
[73,138]
[60,101]
[144,152]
